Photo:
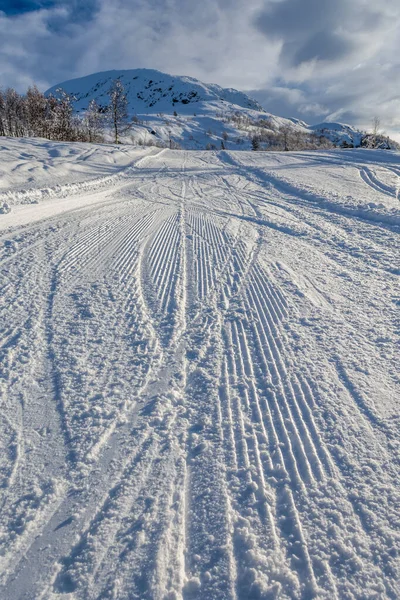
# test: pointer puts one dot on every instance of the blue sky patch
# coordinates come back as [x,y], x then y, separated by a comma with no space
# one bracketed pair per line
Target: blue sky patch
[17,7]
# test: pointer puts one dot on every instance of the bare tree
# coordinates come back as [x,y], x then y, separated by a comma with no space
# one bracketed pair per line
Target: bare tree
[377,138]
[2,114]
[376,130]
[12,112]
[36,103]
[93,122]
[286,136]
[117,108]
[63,128]
[376,125]
[50,117]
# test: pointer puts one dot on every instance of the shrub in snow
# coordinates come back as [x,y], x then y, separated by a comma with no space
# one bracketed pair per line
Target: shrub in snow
[5,208]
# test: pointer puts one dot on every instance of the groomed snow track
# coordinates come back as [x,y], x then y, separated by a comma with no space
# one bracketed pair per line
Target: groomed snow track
[199,383]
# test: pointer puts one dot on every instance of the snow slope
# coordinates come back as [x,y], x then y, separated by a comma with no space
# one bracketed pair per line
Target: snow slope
[202,111]
[149,90]
[191,113]
[199,375]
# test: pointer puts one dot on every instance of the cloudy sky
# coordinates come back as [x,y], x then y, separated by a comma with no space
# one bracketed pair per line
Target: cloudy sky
[312,59]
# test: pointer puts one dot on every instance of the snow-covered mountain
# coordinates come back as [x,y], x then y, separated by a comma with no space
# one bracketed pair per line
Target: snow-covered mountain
[180,111]
[149,90]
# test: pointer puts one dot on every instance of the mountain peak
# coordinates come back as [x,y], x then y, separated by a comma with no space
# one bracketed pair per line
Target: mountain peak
[151,90]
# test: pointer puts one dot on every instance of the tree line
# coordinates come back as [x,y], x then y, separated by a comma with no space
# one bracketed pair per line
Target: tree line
[287,138]
[35,115]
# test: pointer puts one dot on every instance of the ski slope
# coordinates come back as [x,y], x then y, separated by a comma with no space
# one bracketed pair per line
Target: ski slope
[199,374]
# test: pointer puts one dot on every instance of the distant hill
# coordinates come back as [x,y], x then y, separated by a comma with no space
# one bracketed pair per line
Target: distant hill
[184,112]
[150,90]
[339,133]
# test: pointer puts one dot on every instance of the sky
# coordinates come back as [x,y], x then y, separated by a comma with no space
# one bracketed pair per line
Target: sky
[317,60]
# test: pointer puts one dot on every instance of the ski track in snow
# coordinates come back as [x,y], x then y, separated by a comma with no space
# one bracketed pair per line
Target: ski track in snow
[199,381]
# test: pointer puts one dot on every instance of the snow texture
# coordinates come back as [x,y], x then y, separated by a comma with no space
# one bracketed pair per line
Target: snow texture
[191,113]
[198,374]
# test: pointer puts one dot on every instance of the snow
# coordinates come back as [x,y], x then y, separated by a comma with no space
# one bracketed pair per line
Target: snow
[198,373]
[191,113]
[150,89]
[338,133]
[183,109]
